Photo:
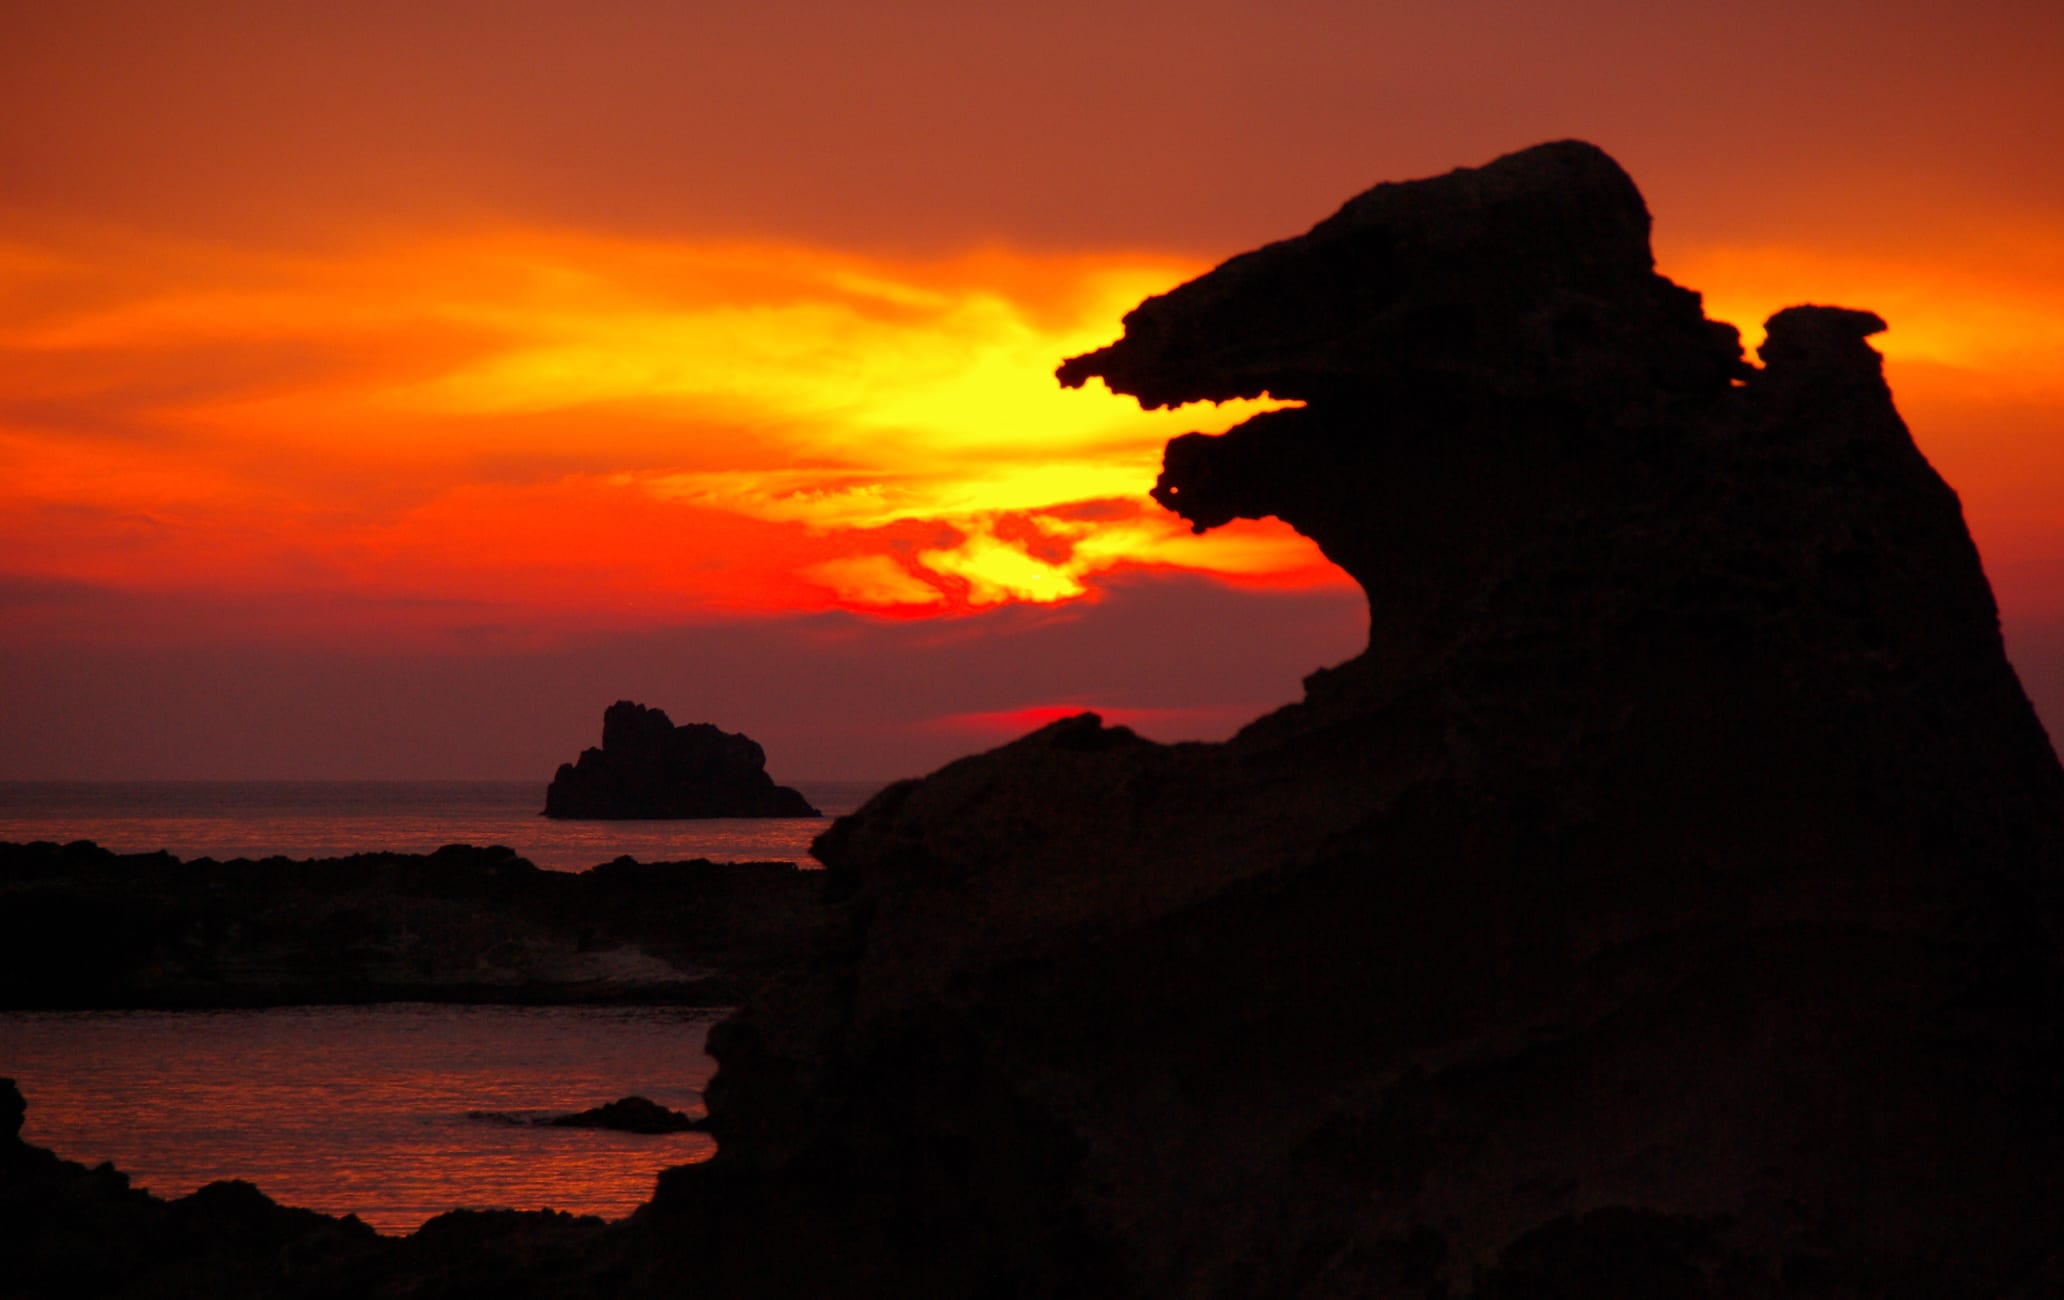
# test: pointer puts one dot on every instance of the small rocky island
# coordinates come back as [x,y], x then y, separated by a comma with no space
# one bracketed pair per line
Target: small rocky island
[648,768]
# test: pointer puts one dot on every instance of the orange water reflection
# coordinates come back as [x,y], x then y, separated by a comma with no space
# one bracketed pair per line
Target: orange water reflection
[364,1110]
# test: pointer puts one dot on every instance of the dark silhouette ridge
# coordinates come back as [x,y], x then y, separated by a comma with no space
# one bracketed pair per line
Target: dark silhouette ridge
[1667,899]
[81,927]
[1666,903]
[648,768]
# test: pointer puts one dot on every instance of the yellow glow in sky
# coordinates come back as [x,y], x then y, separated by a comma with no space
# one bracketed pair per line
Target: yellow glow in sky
[379,416]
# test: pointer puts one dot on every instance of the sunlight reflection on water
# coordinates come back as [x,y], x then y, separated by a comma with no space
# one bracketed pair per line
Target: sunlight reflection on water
[364,1109]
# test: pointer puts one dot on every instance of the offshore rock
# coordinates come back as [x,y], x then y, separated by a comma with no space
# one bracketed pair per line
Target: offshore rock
[1667,902]
[648,768]
[624,1115]
[630,1115]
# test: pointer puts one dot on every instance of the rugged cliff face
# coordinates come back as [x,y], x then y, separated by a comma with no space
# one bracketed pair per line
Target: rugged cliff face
[1667,903]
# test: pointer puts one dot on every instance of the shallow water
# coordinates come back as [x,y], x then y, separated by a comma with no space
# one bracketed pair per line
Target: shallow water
[304,819]
[363,1110]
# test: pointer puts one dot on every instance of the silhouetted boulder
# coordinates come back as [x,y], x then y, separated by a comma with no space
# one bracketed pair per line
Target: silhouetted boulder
[630,1115]
[650,768]
[1666,902]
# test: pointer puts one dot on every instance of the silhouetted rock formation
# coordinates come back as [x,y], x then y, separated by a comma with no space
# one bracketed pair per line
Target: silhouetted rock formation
[624,1115]
[650,768]
[630,1115]
[83,927]
[1666,903]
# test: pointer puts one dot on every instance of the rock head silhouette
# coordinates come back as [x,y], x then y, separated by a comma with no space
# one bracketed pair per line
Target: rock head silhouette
[649,768]
[1666,902]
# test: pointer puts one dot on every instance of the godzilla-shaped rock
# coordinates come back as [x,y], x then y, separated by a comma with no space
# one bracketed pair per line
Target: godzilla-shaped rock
[650,768]
[1667,902]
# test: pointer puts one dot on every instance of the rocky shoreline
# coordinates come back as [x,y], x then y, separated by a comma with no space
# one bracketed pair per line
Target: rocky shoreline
[84,928]
[70,1231]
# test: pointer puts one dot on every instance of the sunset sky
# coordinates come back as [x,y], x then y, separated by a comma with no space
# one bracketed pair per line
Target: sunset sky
[385,388]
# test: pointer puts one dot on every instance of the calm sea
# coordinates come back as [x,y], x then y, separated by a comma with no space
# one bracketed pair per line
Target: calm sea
[363,1110]
[303,819]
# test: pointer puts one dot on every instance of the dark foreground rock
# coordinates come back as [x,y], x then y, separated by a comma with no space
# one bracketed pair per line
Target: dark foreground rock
[72,1233]
[68,1232]
[1667,903]
[648,768]
[82,927]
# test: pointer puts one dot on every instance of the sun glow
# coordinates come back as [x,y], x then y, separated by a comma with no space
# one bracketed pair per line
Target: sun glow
[564,423]
[569,428]
[1995,307]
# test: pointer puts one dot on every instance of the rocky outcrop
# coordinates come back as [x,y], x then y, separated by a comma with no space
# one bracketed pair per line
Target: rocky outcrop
[624,1115]
[82,927]
[1666,903]
[630,1115]
[648,768]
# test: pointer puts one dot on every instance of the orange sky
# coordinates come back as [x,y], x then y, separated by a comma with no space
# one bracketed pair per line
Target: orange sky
[572,351]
